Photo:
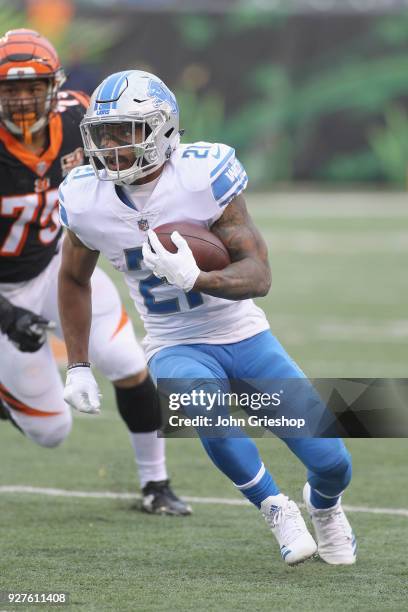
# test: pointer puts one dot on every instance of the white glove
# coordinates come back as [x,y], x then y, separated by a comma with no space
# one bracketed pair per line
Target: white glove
[81,390]
[179,269]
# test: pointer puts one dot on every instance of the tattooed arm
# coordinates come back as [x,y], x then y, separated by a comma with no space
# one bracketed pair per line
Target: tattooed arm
[249,274]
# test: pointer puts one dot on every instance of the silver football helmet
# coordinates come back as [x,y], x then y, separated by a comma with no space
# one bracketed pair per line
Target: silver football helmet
[131,126]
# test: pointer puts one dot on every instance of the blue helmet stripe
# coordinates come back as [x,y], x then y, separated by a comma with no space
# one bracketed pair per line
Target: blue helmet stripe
[104,90]
[110,90]
[118,86]
[109,87]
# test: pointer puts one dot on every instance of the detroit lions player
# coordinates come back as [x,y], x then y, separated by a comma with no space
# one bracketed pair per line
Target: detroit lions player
[200,326]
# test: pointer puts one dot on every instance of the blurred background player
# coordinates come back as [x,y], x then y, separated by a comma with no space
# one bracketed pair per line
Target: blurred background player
[201,326]
[39,143]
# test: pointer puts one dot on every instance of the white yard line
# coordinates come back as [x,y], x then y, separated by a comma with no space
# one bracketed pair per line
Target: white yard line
[222,501]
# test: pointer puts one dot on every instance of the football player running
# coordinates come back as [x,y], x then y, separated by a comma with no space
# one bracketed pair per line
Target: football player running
[39,143]
[201,326]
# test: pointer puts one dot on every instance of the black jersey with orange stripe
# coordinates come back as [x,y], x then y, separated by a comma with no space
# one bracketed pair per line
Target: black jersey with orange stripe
[29,225]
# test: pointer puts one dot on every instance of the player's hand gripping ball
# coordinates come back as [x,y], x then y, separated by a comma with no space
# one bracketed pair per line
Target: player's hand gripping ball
[208,250]
[179,251]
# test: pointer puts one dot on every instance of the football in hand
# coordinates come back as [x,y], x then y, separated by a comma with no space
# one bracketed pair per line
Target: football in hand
[208,250]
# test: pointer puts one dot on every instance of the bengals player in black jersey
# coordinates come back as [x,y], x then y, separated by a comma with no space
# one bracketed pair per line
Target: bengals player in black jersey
[39,143]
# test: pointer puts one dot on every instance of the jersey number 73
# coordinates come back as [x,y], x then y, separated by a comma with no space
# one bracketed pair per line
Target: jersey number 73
[24,209]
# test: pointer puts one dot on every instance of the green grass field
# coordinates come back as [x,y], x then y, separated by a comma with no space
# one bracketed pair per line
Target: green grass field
[339,305]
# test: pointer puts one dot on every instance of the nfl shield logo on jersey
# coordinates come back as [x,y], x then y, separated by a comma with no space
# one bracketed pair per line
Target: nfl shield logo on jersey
[143,225]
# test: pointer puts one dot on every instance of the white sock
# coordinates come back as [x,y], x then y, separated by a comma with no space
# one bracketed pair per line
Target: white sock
[150,456]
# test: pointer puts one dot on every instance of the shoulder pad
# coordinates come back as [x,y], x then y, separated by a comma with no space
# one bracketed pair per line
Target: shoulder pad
[73,193]
[192,163]
[204,165]
[69,99]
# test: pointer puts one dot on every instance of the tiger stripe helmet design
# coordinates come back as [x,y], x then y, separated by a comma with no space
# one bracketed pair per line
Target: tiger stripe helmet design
[25,54]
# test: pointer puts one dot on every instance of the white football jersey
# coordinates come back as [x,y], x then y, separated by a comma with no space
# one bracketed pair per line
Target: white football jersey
[196,185]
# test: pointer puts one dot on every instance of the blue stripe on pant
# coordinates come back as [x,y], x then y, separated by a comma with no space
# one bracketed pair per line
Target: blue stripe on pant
[259,357]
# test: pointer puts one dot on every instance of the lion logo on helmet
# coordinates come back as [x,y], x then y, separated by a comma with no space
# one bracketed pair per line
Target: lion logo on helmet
[160,93]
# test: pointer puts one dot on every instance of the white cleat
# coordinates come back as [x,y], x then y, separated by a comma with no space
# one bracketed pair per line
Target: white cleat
[287,525]
[335,539]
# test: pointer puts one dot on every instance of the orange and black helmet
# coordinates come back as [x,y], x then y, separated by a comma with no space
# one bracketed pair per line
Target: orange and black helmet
[25,54]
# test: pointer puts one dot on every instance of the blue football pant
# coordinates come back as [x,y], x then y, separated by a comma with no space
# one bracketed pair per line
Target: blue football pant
[263,358]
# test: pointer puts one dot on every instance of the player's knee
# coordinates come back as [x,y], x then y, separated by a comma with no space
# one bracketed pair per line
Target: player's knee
[50,435]
[31,384]
[120,359]
[132,381]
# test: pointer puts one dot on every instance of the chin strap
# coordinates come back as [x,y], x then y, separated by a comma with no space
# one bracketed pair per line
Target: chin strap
[25,123]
